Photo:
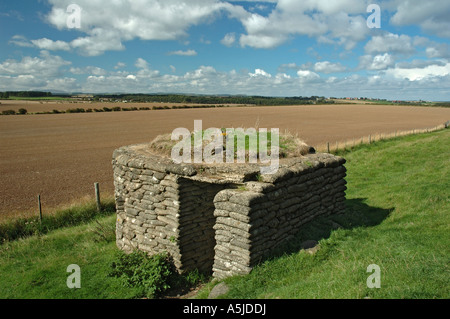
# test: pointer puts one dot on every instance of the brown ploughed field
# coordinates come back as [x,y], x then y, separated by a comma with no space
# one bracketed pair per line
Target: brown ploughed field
[61,156]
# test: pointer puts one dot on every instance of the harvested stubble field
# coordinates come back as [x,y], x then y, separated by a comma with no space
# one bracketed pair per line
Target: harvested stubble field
[61,156]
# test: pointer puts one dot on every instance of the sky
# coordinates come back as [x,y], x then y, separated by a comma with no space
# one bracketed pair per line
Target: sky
[392,49]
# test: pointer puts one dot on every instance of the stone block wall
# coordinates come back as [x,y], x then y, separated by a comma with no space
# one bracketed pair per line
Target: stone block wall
[253,221]
[159,209]
[219,218]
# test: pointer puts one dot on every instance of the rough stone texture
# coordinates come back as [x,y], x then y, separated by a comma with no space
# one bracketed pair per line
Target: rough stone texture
[223,218]
[252,221]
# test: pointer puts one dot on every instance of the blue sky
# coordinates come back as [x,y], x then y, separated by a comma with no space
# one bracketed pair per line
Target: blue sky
[273,48]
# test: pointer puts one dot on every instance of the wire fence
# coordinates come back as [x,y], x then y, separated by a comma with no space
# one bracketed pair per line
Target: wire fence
[330,147]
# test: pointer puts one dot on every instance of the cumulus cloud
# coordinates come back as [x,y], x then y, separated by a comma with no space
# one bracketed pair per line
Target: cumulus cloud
[406,80]
[229,39]
[93,70]
[260,72]
[389,42]
[45,72]
[120,65]
[328,67]
[308,76]
[441,50]
[377,62]
[46,65]
[144,72]
[184,53]
[108,25]
[272,31]
[340,22]
[47,44]
[431,15]
[419,64]
[20,41]
[141,64]
[420,73]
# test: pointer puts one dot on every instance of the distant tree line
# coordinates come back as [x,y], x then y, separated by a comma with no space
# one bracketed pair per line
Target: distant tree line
[201,99]
[25,94]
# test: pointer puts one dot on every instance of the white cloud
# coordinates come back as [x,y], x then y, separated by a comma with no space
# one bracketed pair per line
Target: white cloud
[120,65]
[439,28]
[260,72]
[288,66]
[184,53]
[229,39]
[441,50]
[200,73]
[272,31]
[417,74]
[64,84]
[98,42]
[262,41]
[45,72]
[431,15]
[47,44]
[141,64]
[346,30]
[144,72]
[308,76]
[419,64]
[20,41]
[108,25]
[378,62]
[389,42]
[328,67]
[400,81]
[339,22]
[21,82]
[46,65]
[93,70]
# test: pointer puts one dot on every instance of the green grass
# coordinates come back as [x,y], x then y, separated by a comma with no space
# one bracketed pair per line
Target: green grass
[397,218]
[16,228]
[36,267]
[34,259]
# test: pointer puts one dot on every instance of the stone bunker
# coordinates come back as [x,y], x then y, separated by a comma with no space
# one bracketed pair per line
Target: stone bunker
[219,218]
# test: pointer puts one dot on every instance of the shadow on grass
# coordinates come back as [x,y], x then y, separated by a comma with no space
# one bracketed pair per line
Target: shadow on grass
[357,214]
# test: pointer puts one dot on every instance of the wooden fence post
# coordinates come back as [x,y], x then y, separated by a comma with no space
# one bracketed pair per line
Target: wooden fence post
[328,147]
[40,209]
[97,197]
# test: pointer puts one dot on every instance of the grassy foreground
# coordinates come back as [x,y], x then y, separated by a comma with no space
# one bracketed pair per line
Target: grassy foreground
[397,218]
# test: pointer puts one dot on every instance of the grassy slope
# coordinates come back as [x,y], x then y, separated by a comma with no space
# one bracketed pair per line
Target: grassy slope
[35,267]
[397,218]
